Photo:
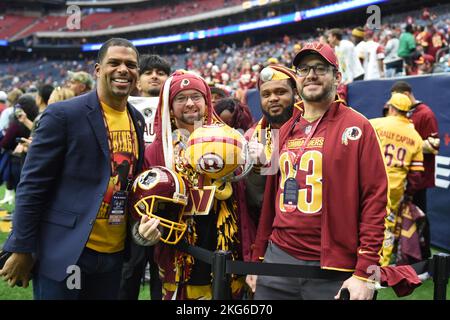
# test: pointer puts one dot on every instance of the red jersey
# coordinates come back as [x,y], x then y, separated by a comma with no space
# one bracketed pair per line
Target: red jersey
[297,227]
[426,125]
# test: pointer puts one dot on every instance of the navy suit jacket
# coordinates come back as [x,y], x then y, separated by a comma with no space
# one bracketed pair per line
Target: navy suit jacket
[63,181]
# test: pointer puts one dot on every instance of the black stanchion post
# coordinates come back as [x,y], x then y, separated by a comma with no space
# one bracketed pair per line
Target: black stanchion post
[441,268]
[221,280]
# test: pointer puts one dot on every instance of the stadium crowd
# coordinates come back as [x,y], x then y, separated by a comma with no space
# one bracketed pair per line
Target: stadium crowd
[420,39]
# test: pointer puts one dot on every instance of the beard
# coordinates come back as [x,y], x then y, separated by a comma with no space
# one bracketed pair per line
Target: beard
[280,118]
[324,94]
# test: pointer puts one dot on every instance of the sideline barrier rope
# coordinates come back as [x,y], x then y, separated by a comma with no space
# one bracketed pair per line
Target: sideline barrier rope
[222,266]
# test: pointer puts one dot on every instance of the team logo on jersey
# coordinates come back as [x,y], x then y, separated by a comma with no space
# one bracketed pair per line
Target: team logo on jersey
[184,83]
[351,133]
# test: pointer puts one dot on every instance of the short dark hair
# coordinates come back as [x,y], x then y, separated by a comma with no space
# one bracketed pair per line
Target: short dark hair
[119,42]
[336,32]
[45,91]
[153,61]
[401,86]
[229,104]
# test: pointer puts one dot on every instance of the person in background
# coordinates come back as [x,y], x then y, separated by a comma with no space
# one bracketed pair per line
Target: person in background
[349,62]
[153,72]
[5,120]
[358,35]
[42,97]
[217,94]
[393,64]
[60,94]
[373,58]
[407,47]
[224,226]
[25,107]
[425,64]
[5,116]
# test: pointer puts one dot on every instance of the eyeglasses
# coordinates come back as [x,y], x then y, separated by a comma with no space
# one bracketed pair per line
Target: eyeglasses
[182,99]
[319,70]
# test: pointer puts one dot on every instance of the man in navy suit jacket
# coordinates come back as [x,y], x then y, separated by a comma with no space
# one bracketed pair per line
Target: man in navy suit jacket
[69,225]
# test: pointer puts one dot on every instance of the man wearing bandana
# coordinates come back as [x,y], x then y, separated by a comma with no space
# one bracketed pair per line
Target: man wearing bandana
[277,90]
[186,99]
[326,207]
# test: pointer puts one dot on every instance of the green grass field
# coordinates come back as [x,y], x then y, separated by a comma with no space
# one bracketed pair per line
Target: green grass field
[424,292]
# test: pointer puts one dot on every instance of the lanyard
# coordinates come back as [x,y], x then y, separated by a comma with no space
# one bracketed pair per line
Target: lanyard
[301,150]
[110,143]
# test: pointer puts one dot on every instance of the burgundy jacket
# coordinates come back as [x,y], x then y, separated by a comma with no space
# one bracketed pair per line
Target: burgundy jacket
[355,193]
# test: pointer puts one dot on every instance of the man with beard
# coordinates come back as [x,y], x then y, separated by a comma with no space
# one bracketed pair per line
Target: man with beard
[153,72]
[277,90]
[71,220]
[327,205]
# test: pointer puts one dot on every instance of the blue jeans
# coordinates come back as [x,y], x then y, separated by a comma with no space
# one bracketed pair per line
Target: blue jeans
[100,279]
